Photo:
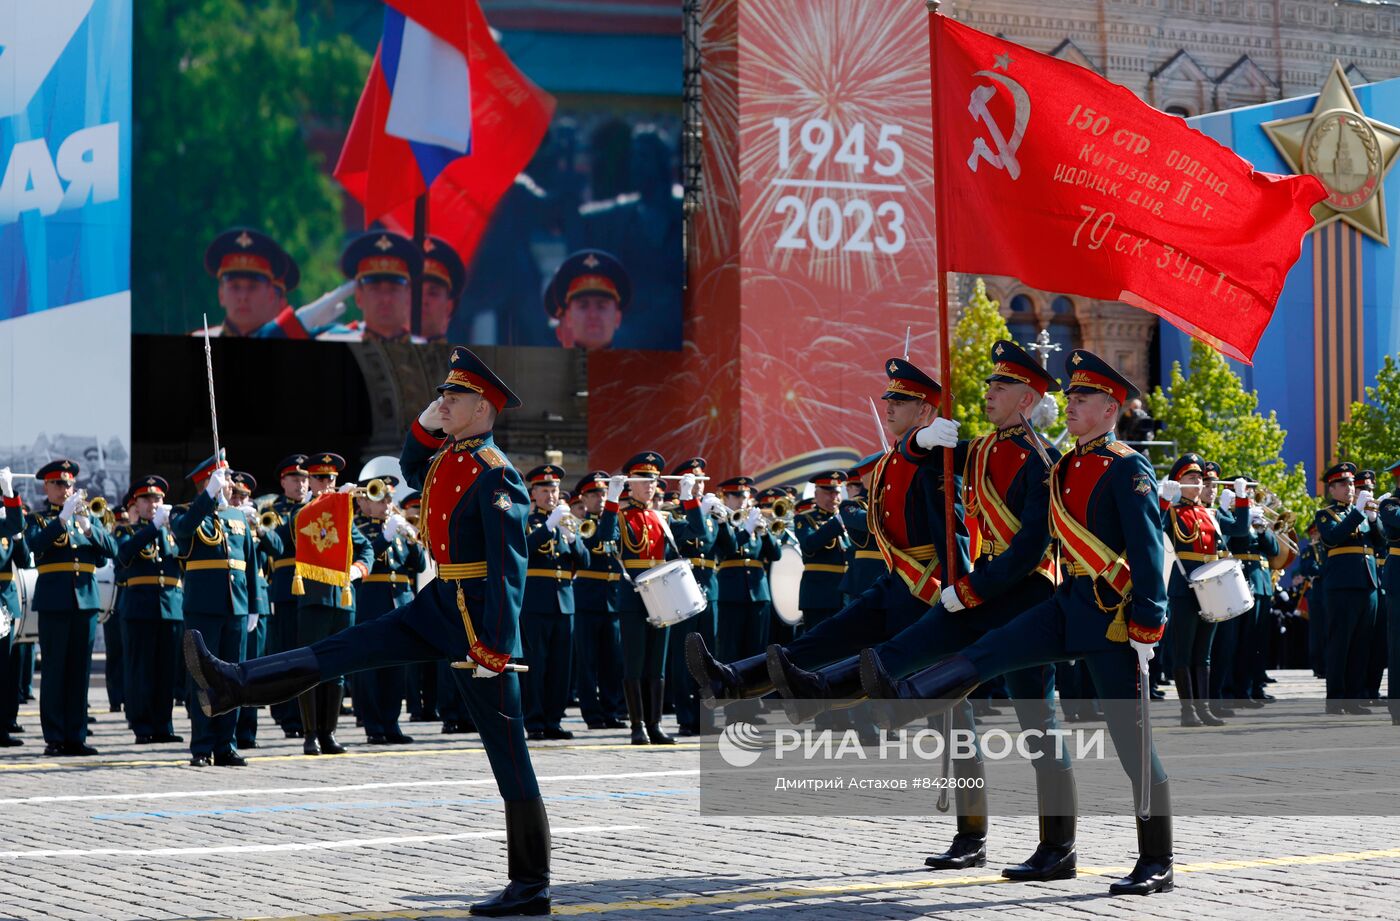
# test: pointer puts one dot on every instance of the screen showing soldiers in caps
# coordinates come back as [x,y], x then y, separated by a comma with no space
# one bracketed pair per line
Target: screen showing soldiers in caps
[580,245]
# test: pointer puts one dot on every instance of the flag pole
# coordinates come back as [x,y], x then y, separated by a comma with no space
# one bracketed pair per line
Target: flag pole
[420,236]
[950,573]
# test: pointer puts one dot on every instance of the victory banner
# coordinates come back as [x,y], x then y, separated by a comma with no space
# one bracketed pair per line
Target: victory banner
[1071,183]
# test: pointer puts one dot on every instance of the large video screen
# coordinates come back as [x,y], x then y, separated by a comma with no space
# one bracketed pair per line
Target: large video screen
[243,219]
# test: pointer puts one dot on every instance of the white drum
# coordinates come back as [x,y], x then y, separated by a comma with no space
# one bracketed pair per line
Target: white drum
[670,593]
[27,628]
[106,592]
[1221,590]
[785,581]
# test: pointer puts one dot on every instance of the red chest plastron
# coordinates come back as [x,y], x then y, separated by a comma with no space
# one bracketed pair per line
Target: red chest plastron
[895,476]
[1077,482]
[1198,520]
[449,480]
[644,529]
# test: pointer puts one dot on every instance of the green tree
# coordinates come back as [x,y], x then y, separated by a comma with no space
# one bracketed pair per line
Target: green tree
[1371,437]
[979,326]
[1209,412]
[227,94]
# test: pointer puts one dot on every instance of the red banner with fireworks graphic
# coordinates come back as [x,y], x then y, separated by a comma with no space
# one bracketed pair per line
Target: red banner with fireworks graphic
[812,256]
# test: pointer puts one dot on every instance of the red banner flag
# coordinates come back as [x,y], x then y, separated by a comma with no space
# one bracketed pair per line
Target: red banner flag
[1072,184]
[324,548]
[436,59]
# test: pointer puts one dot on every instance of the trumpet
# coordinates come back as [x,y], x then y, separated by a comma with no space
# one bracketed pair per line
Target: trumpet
[269,520]
[96,507]
[584,528]
[375,490]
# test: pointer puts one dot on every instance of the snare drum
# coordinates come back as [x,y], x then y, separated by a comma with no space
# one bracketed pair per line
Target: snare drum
[670,593]
[1221,590]
[785,581]
[26,627]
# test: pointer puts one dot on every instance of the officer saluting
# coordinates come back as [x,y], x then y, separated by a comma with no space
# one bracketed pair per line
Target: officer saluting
[69,545]
[220,560]
[1104,513]
[473,519]
[547,614]
[152,609]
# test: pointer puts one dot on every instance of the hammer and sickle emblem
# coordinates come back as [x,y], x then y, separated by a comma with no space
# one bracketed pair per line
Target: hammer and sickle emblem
[1005,155]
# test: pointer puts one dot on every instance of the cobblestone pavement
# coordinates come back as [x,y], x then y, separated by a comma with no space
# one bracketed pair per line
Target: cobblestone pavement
[417,833]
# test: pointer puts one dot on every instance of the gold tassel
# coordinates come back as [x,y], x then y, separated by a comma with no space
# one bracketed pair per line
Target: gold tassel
[298,586]
[1118,630]
[346,599]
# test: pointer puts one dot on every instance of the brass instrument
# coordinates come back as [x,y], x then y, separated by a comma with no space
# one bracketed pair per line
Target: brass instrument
[269,520]
[584,528]
[375,490]
[782,508]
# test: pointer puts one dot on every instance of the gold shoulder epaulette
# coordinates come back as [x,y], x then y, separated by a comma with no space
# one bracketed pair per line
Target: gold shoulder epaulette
[1121,449]
[491,457]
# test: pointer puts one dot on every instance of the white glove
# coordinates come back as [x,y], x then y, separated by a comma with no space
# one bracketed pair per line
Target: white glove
[217,481]
[615,487]
[325,309]
[951,601]
[1370,514]
[688,487]
[356,573]
[84,524]
[250,511]
[1283,596]
[1170,491]
[556,516]
[394,525]
[710,503]
[1241,486]
[428,418]
[70,508]
[752,519]
[1363,496]
[7,483]
[252,621]
[1144,653]
[940,433]
[1227,498]
[348,487]
[161,516]
[841,494]
[1256,515]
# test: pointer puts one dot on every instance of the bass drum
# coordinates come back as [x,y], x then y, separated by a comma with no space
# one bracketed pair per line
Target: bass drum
[106,592]
[26,630]
[785,580]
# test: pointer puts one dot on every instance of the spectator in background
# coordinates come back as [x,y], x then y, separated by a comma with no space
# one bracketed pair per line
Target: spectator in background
[1136,424]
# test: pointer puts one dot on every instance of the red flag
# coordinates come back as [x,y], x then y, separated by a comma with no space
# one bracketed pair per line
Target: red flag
[1072,184]
[509,116]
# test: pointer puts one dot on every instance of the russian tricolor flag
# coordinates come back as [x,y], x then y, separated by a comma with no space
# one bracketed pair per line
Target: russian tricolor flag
[444,111]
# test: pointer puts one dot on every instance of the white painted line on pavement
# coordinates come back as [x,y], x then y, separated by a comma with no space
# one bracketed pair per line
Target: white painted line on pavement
[294,845]
[385,785]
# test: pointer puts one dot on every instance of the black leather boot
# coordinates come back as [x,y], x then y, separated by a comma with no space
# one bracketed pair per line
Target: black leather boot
[308,704]
[806,694]
[1184,692]
[527,860]
[225,686]
[1055,856]
[1200,680]
[1153,872]
[329,695]
[969,847]
[632,690]
[719,683]
[656,694]
[940,686]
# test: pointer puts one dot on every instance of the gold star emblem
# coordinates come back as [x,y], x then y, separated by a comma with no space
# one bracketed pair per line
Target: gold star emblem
[592,261]
[150,481]
[1349,152]
[893,367]
[999,348]
[326,459]
[66,465]
[456,356]
[383,244]
[1076,359]
[243,240]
